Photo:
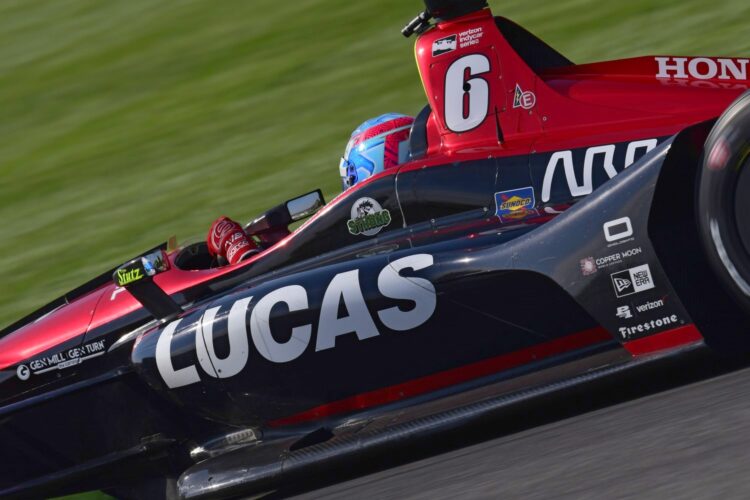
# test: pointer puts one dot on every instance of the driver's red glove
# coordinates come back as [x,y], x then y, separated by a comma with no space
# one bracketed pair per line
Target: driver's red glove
[227,239]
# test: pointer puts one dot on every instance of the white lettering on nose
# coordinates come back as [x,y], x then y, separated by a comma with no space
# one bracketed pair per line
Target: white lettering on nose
[238,344]
[344,294]
[346,287]
[392,285]
[173,378]
[295,297]
[674,70]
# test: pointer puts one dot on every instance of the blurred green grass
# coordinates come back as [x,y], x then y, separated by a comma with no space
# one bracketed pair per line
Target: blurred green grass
[122,123]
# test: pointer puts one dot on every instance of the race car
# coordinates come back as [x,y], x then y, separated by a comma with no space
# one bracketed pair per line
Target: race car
[555,223]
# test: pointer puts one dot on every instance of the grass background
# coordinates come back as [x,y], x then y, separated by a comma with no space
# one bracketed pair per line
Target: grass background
[124,122]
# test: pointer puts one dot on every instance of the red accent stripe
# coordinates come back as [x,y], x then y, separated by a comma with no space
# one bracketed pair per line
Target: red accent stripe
[666,340]
[382,129]
[450,377]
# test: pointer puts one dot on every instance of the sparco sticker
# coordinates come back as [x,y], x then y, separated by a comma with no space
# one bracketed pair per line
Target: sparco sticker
[344,291]
[368,217]
[61,360]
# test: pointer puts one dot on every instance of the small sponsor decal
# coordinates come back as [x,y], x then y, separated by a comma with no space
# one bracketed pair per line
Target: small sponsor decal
[525,100]
[624,312]
[630,311]
[651,326]
[470,37]
[61,360]
[588,266]
[617,230]
[632,281]
[128,276]
[649,306]
[23,372]
[368,218]
[444,45]
[516,202]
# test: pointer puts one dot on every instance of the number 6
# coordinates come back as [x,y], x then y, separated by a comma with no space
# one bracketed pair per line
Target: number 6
[467,101]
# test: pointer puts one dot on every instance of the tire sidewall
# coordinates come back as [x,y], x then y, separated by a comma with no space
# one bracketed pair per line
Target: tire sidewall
[726,154]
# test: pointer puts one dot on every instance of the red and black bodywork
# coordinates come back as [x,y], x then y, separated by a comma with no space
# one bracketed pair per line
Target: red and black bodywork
[555,222]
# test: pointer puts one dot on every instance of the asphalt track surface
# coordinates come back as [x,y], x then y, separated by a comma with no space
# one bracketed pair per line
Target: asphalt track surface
[677,430]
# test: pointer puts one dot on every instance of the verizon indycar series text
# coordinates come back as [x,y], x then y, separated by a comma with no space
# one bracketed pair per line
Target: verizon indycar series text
[555,222]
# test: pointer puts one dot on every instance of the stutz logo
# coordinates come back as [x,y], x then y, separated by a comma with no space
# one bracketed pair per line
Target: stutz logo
[368,218]
[128,276]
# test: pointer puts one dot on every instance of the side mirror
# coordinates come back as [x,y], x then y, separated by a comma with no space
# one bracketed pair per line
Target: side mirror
[137,278]
[273,225]
[305,206]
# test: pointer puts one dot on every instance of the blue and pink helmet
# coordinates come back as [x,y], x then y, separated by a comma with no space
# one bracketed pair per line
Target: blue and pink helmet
[376,145]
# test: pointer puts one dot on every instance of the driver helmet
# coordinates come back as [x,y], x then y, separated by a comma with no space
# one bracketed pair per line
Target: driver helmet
[376,145]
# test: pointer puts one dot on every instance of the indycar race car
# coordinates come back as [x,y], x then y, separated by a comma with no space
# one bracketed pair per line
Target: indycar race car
[555,223]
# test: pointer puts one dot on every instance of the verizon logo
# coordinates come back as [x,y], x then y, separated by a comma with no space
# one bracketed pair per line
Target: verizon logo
[702,68]
[650,306]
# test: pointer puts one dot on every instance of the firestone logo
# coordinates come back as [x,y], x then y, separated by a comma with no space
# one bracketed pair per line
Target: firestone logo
[701,68]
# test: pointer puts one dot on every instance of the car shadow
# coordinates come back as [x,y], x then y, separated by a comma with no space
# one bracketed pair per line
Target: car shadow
[664,375]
